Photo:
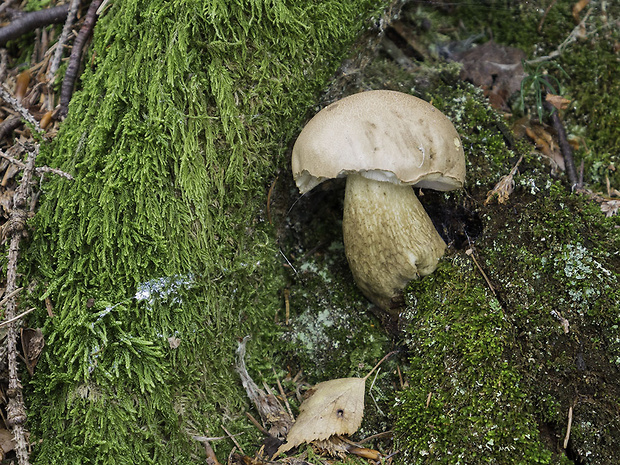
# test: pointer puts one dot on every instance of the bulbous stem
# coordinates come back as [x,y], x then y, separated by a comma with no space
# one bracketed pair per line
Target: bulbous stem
[388,238]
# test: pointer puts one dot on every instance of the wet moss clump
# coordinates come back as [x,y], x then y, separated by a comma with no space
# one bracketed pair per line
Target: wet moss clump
[496,366]
[466,402]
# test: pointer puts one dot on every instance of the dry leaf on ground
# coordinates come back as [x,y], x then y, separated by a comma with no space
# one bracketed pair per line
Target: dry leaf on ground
[334,407]
[498,69]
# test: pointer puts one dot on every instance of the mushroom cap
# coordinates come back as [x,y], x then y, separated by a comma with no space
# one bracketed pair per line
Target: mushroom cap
[383,135]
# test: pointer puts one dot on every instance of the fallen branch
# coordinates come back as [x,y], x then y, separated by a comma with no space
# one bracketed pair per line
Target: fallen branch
[38,170]
[68,82]
[55,64]
[31,21]
[15,409]
[19,108]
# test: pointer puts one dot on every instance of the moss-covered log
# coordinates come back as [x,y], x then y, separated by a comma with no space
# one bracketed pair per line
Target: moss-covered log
[159,256]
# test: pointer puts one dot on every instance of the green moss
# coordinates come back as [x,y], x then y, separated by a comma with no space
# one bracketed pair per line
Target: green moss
[185,113]
[466,401]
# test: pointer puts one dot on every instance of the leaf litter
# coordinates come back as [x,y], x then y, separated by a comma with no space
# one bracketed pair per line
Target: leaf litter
[331,409]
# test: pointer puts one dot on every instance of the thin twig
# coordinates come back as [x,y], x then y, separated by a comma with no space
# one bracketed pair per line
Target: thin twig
[68,83]
[572,37]
[470,252]
[55,64]
[6,298]
[232,437]
[39,169]
[19,108]
[568,427]
[15,318]
[31,21]
[16,410]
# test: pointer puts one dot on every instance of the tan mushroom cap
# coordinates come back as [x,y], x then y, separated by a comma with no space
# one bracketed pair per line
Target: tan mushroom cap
[383,135]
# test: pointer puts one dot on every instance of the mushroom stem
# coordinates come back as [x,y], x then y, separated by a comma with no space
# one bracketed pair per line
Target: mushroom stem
[388,238]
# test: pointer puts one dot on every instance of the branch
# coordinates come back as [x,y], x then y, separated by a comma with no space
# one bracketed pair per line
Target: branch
[68,82]
[75,4]
[15,409]
[19,108]
[30,21]
[38,169]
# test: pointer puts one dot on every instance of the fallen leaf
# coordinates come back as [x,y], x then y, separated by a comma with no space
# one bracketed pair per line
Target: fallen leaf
[7,443]
[498,69]
[559,102]
[546,144]
[334,407]
[577,7]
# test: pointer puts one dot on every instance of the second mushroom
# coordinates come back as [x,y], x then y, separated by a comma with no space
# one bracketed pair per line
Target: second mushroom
[385,142]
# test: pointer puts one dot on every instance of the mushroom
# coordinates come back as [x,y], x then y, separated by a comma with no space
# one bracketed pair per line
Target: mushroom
[384,142]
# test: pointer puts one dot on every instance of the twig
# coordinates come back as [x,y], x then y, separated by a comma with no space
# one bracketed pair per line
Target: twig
[15,318]
[51,73]
[19,108]
[565,147]
[16,410]
[33,20]
[572,37]
[232,437]
[542,20]
[568,427]
[68,83]
[39,169]
[470,252]
[6,298]
[255,422]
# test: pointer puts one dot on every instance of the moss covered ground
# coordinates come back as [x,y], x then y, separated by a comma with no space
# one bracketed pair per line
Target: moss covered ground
[164,252]
[159,256]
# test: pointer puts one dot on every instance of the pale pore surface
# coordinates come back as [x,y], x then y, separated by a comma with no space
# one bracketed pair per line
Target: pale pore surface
[389,238]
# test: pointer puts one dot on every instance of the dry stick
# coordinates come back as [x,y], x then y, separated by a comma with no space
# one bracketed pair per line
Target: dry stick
[15,318]
[31,21]
[565,147]
[38,169]
[68,83]
[470,252]
[15,409]
[568,427]
[19,108]
[51,73]
[572,37]
[6,298]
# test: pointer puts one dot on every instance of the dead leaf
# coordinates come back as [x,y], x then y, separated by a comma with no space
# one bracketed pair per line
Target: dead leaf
[610,207]
[498,69]
[32,345]
[546,144]
[504,187]
[577,7]
[7,443]
[559,102]
[334,407]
